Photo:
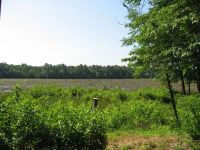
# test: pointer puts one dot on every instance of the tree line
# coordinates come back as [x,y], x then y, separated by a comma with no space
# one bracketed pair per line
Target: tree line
[62,71]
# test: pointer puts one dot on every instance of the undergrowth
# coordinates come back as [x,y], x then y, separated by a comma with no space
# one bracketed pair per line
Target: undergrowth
[52,117]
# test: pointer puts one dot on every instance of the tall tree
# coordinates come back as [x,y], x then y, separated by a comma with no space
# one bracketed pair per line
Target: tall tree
[165,39]
[167,34]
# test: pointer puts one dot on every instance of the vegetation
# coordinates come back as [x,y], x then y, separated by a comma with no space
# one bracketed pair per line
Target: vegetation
[54,117]
[165,39]
[37,119]
[166,45]
[62,71]
[127,84]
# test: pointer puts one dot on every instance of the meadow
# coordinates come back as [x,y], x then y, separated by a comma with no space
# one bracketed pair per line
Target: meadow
[62,117]
[125,84]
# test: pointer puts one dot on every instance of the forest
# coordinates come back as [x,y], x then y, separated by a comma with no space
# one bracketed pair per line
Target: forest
[62,71]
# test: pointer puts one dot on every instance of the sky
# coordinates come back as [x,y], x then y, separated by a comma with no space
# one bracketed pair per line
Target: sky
[70,32]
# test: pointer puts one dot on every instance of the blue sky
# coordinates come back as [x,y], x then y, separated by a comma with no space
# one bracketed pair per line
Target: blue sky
[72,32]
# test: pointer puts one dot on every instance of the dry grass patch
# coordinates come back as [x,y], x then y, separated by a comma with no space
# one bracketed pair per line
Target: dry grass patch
[148,143]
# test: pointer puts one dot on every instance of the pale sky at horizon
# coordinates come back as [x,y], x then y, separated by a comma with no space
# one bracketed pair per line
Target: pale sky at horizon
[75,32]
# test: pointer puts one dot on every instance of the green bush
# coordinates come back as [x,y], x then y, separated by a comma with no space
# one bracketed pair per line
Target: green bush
[78,128]
[122,96]
[58,118]
[76,92]
[138,115]
[42,91]
[161,95]
[190,115]
[27,124]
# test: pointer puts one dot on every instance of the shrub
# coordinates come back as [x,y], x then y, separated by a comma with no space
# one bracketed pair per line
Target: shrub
[190,115]
[161,95]
[76,92]
[26,124]
[137,115]
[42,91]
[122,96]
[78,128]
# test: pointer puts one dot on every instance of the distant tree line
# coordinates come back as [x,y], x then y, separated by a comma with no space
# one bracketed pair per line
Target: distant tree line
[62,71]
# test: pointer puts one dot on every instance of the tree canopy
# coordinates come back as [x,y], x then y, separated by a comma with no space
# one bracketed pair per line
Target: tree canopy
[62,71]
[166,38]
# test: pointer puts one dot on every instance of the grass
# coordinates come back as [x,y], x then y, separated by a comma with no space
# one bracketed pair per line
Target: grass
[162,138]
[137,142]
[125,84]
[139,119]
[161,131]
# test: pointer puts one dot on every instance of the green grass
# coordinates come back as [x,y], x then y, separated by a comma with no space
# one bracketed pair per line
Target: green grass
[161,131]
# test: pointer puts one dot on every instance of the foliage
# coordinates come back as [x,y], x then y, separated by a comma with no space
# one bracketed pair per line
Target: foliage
[165,38]
[53,118]
[62,71]
[31,124]
[153,94]
[138,115]
[191,115]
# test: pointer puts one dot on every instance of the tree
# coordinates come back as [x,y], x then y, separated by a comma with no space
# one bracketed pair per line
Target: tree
[165,39]
[65,72]
[164,33]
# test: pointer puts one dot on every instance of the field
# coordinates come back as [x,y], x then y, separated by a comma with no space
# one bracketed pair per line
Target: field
[131,114]
[125,84]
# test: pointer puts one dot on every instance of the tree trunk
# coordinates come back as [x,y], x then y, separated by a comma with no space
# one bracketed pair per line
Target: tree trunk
[198,69]
[172,99]
[182,83]
[198,80]
[189,83]
[198,85]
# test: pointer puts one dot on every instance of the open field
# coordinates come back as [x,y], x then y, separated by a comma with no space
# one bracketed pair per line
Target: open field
[126,84]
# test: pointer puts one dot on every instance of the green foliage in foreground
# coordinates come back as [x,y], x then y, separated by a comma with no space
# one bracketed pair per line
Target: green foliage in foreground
[191,115]
[30,123]
[58,118]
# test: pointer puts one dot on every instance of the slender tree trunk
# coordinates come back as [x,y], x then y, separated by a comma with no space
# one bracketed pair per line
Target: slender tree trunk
[172,99]
[198,80]
[198,69]
[189,83]
[198,85]
[182,83]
